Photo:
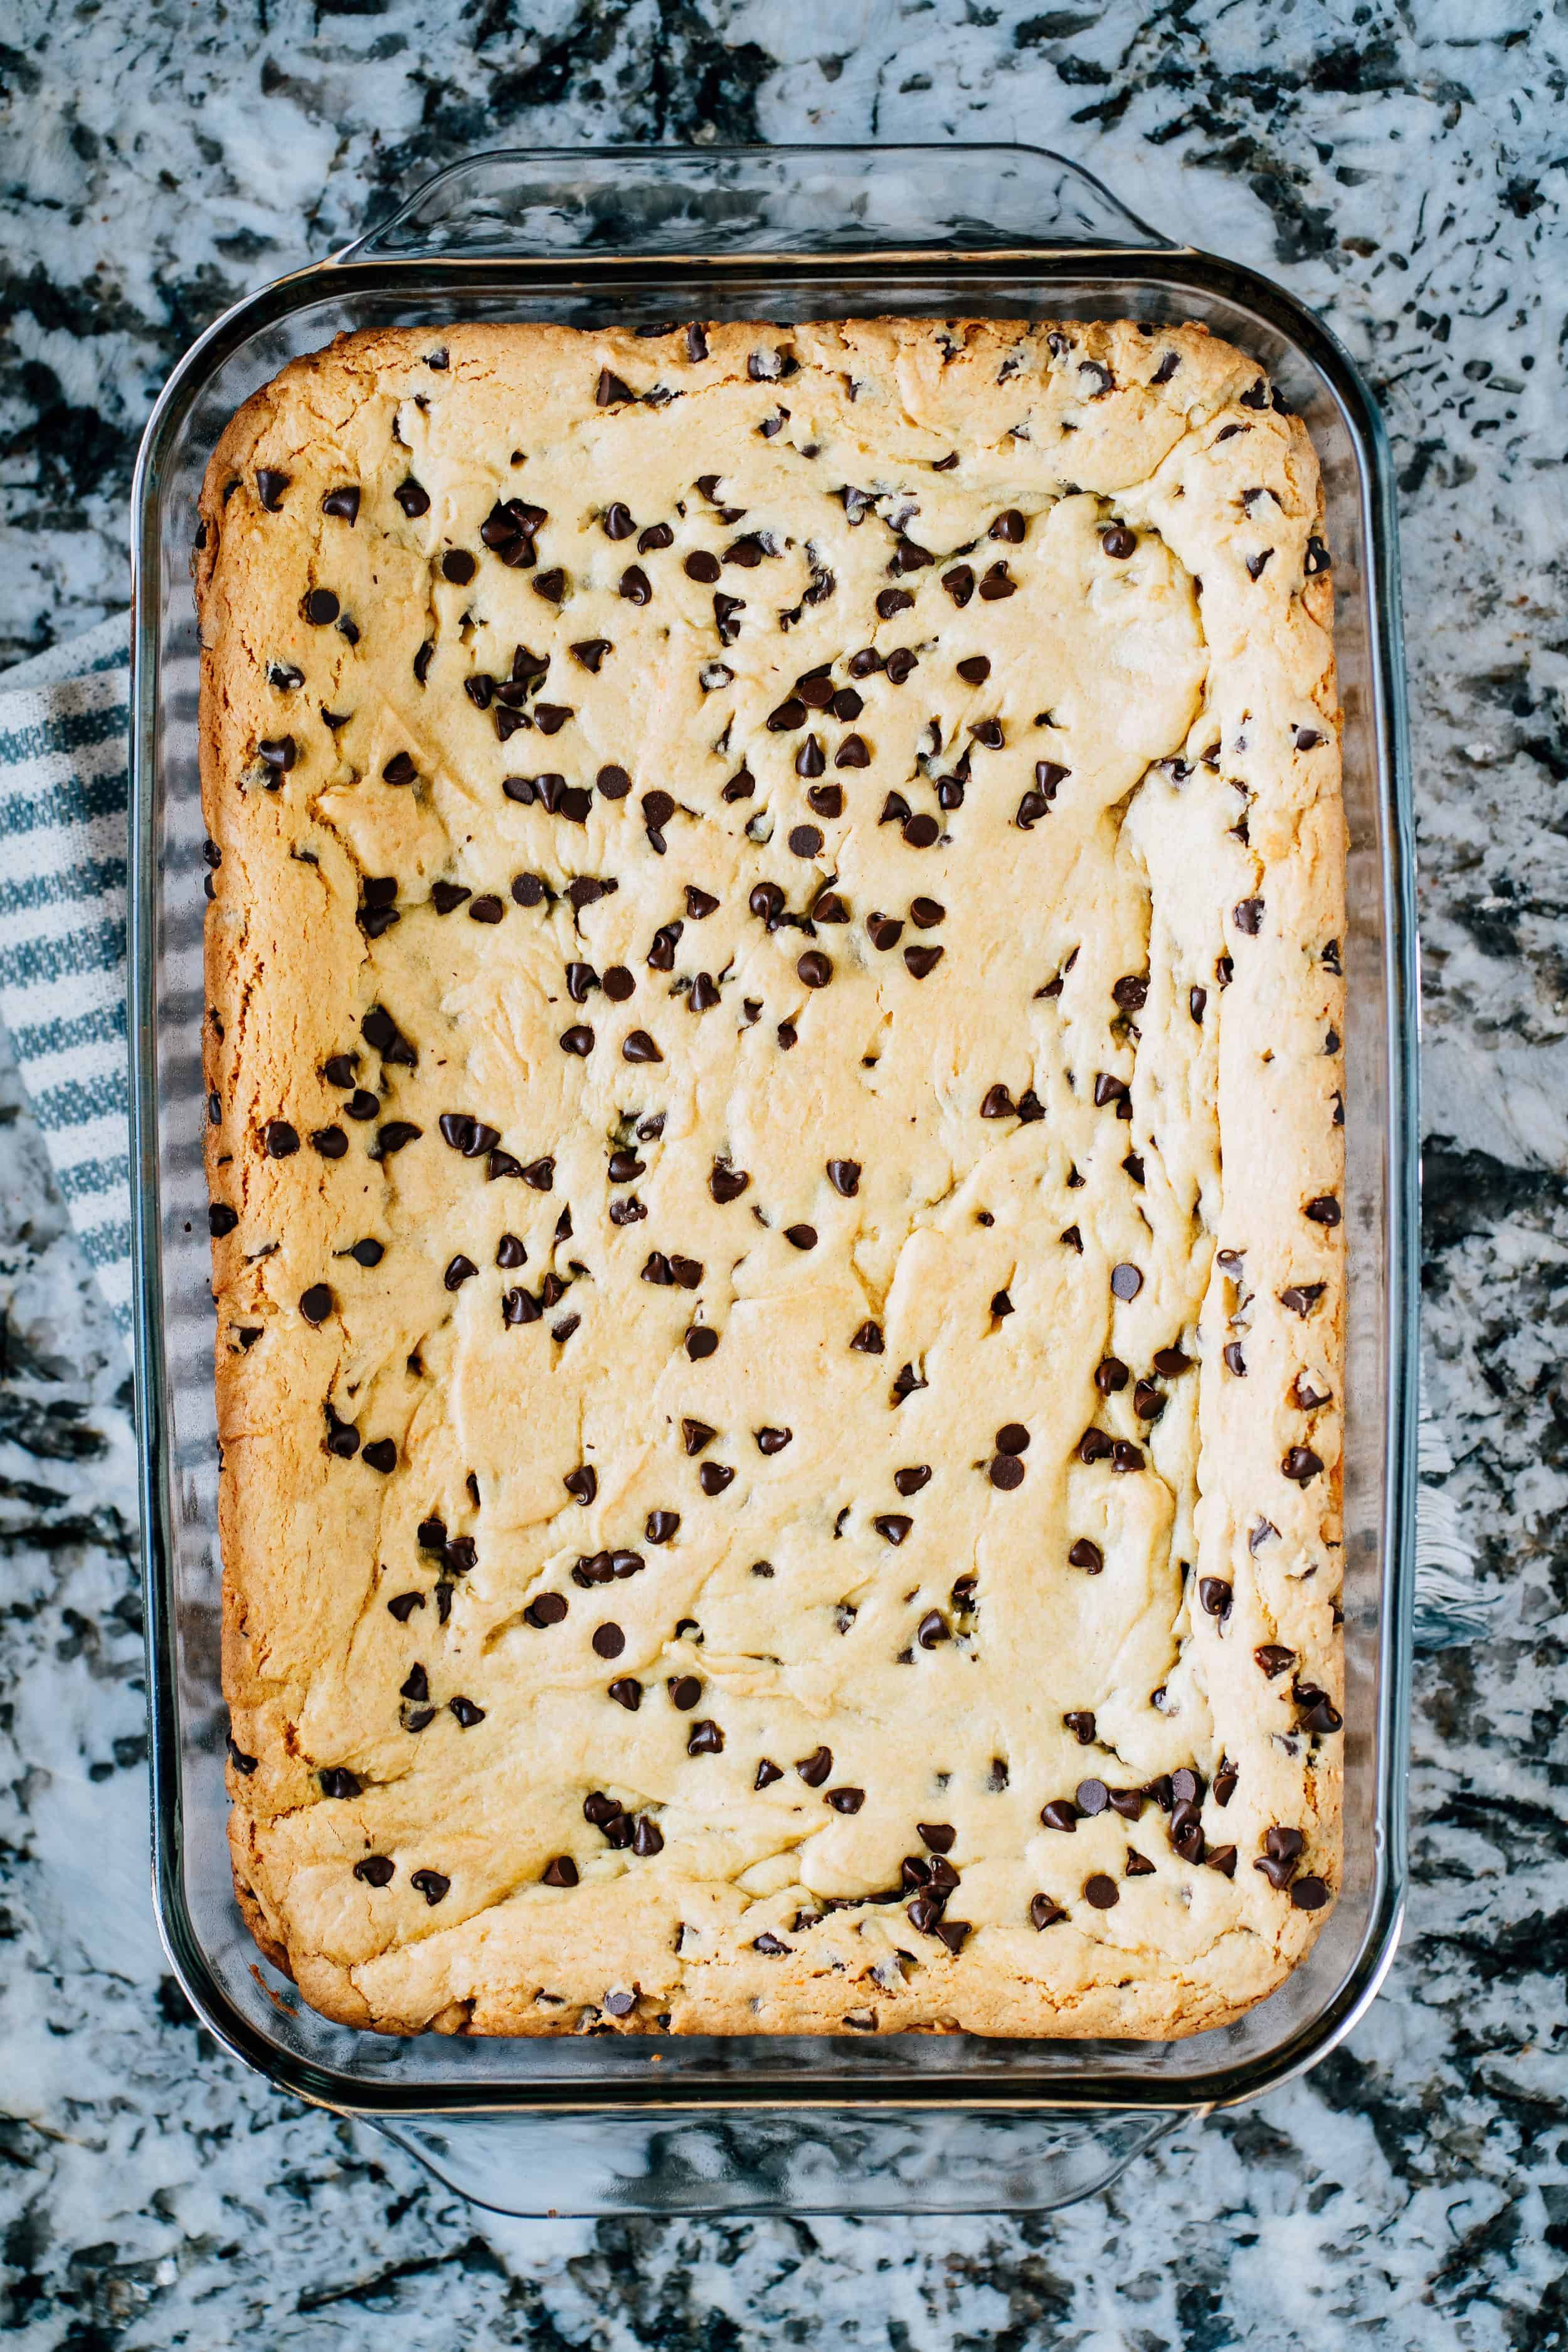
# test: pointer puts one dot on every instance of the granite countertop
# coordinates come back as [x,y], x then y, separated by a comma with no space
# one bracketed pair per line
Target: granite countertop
[1403,169]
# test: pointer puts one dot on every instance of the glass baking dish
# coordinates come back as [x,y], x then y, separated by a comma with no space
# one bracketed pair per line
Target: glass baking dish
[668,2124]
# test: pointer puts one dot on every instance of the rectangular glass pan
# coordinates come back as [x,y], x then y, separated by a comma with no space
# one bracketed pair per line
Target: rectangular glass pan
[641,236]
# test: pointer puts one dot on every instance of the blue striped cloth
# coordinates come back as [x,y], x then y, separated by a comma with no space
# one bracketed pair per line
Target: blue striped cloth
[64,801]
[64,794]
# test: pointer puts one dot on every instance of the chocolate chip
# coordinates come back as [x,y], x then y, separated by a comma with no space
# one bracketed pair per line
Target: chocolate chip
[815,1769]
[997,1103]
[920,832]
[1094,1447]
[867,1339]
[1007,1472]
[582,1484]
[270,486]
[560,1872]
[1302,1465]
[815,968]
[802,1237]
[1126,1281]
[714,1476]
[316,1304]
[805,841]
[1247,915]
[1087,1556]
[1215,1596]
[1324,1210]
[551,586]
[844,1801]
[773,1441]
[640,1047]
[706,1739]
[922,962]
[885,931]
[279,1139]
[608,1641]
[1059,1814]
[892,1526]
[1308,1893]
[998,582]
[339,1782]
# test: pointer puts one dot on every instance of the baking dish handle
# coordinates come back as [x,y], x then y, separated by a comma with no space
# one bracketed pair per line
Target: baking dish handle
[592,203]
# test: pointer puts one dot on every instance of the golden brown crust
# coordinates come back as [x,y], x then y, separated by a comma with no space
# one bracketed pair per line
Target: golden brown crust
[1187,835]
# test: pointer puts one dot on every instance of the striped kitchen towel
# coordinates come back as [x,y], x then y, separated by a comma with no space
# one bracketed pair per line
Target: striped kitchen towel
[64,793]
[64,801]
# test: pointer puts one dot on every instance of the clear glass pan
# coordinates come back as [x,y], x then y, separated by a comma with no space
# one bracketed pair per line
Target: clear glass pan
[664,2125]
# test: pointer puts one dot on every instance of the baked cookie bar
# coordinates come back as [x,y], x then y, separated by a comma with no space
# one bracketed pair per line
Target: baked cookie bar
[774,965]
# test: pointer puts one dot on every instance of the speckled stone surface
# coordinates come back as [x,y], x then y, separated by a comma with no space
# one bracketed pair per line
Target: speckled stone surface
[1403,169]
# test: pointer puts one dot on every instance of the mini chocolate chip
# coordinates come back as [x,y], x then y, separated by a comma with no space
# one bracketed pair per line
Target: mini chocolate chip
[1126,1281]
[998,582]
[608,1641]
[802,1237]
[867,1339]
[1100,1891]
[1059,1814]
[714,1476]
[815,968]
[270,486]
[1007,1472]
[1013,1438]
[767,1773]
[911,1480]
[828,800]
[815,1769]
[773,1441]
[577,1040]
[885,931]
[844,1801]
[893,1527]
[932,1630]
[1215,1596]
[997,1103]
[922,962]
[1302,1465]
[582,1484]
[560,1872]
[459,1270]
[920,832]
[640,1047]
[805,841]
[706,1739]
[959,583]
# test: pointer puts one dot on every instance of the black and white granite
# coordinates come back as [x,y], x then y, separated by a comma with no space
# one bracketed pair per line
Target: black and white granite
[1403,168]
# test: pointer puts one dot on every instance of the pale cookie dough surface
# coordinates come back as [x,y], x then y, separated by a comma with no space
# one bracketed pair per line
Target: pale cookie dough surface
[660,1602]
